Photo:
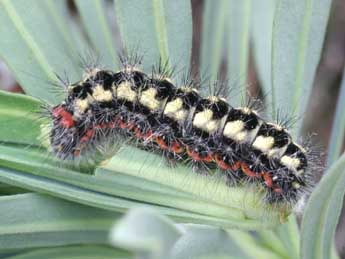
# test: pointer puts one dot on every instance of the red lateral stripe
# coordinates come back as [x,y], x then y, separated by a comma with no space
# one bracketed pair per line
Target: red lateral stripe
[196,156]
[88,135]
[225,166]
[161,143]
[66,118]
[245,169]
[177,147]
[268,179]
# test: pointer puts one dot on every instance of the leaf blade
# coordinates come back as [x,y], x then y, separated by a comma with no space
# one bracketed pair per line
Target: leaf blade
[151,27]
[17,115]
[299,29]
[24,47]
[322,213]
[98,30]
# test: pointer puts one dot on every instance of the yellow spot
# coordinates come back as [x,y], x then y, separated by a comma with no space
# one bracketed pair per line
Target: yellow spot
[203,120]
[213,99]
[246,110]
[264,144]
[290,162]
[81,105]
[296,185]
[124,91]
[148,99]
[99,94]
[233,128]
[174,110]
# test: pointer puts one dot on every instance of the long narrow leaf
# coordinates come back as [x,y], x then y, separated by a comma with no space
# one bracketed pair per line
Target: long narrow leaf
[322,213]
[32,57]
[262,26]
[298,34]
[238,24]
[338,128]
[33,220]
[19,119]
[98,30]
[230,206]
[74,252]
[213,30]
[153,27]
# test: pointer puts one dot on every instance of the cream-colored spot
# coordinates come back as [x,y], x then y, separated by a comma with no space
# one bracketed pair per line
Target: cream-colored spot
[203,120]
[264,144]
[82,105]
[213,99]
[99,94]
[241,137]
[233,128]
[276,152]
[148,99]
[174,110]
[124,91]
[246,110]
[181,115]
[173,106]
[296,185]
[290,162]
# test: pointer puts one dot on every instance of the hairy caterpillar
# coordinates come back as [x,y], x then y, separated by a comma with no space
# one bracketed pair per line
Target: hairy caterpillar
[182,125]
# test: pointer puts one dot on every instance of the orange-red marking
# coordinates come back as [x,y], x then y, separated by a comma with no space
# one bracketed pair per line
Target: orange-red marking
[225,166]
[88,135]
[161,143]
[196,157]
[66,118]
[141,135]
[245,169]
[277,190]
[268,179]
[176,147]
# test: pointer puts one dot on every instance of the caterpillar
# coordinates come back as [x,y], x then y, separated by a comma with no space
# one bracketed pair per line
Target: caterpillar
[182,125]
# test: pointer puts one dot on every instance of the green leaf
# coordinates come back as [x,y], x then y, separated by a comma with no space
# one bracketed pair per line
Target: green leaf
[298,34]
[151,167]
[6,189]
[74,252]
[98,30]
[338,128]
[322,213]
[290,236]
[19,119]
[64,22]
[191,197]
[145,232]
[153,27]
[238,24]
[150,235]
[207,242]
[262,26]
[213,30]
[33,220]
[34,55]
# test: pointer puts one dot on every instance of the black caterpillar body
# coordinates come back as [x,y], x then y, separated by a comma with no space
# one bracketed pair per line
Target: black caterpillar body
[182,125]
